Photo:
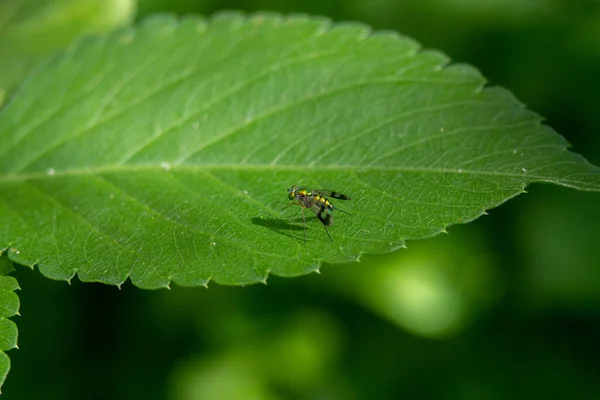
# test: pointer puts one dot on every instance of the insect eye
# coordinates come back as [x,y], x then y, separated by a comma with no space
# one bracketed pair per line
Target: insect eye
[291,195]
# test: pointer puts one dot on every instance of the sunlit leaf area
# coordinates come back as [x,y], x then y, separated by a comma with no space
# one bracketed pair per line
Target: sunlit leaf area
[454,272]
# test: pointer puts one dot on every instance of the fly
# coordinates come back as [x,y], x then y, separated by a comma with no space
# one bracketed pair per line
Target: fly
[317,202]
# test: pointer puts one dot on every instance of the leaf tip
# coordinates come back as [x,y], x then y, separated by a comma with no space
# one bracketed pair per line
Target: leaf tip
[205,283]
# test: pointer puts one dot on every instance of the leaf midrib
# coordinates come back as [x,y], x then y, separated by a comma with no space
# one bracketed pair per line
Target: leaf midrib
[166,167]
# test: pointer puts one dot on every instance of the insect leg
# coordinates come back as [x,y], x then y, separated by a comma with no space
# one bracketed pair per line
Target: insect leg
[303,223]
[345,212]
[327,230]
[292,203]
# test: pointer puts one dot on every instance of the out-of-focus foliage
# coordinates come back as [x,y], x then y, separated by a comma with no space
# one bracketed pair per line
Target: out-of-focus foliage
[33,29]
[435,289]
[534,335]
[560,258]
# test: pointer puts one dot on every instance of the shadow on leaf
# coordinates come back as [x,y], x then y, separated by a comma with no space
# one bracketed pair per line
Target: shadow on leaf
[278,225]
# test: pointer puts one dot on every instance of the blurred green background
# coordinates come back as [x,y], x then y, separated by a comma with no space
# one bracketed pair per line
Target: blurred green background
[505,307]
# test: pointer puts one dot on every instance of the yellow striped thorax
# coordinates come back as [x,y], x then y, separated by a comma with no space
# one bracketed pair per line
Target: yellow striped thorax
[322,201]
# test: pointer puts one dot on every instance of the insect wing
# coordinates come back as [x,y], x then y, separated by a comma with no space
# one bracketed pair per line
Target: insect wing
[331,193]
[322,214]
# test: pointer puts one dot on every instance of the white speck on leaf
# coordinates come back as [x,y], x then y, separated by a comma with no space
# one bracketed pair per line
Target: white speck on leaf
[50,171]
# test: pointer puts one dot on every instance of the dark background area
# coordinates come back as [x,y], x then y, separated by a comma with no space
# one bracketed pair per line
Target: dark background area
[505,307]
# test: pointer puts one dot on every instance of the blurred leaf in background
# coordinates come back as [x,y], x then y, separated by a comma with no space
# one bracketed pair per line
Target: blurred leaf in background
[33,29]
[559,252]
[435,289]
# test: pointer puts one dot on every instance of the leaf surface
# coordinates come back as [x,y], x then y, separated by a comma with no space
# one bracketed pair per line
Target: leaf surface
[163,152]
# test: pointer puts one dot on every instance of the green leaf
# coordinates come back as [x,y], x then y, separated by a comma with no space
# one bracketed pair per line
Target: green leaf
[9,307]
[32,29]
[163,152]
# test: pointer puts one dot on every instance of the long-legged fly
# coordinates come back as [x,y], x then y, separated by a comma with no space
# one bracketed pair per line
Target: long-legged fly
[317,202]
